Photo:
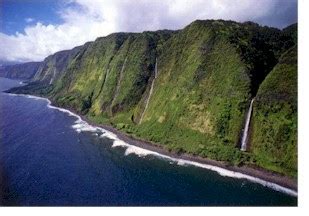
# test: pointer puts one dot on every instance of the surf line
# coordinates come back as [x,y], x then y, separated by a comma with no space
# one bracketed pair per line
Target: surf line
[81,125]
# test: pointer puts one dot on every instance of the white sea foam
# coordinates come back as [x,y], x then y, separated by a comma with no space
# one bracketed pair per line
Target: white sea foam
[181,163]
[138,151]
[109,135]
[81,125]
[131,149]
[28,96]
[118,142]
[84,127]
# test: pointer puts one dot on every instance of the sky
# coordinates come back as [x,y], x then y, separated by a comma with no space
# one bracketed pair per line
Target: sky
[30,30]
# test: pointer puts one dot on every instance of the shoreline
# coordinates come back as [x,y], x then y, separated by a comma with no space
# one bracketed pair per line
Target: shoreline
[258,175]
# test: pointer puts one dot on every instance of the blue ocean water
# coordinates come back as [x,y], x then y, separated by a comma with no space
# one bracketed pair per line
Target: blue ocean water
[44,161]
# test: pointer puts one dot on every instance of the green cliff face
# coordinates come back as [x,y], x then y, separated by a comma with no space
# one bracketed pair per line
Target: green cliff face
[274,128]
[188,90]
[54,65]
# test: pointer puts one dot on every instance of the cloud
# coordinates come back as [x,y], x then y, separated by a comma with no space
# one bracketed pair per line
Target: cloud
[29,20]
[85,20]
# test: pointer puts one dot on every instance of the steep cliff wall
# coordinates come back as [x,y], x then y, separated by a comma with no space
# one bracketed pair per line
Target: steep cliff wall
[274,132]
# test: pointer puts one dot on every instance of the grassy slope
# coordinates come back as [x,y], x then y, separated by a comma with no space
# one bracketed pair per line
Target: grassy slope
[274,137]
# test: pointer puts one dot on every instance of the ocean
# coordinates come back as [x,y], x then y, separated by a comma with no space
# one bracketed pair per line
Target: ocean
[50,157]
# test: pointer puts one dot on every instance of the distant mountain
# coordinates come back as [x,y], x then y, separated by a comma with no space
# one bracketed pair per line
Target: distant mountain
[5,63]
[20,71]
[188,90]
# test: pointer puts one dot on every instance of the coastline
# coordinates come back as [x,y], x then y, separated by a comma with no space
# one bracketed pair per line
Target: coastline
[260,173]
[261,176]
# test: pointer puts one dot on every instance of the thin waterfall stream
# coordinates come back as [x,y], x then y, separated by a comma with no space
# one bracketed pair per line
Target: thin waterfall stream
[53,77]
[119,81]
[244,139]
[150,92]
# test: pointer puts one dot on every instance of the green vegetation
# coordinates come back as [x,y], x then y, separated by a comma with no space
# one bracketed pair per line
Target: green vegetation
[207,74]
[274,137]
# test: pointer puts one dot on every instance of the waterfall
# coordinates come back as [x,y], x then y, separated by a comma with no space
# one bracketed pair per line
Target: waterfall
[43,76]
[52,79]
[150,92]
[119,82]
[244,138]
